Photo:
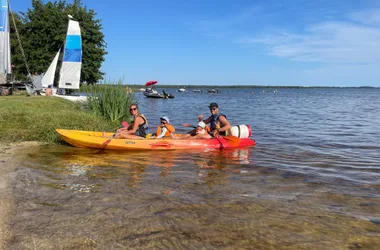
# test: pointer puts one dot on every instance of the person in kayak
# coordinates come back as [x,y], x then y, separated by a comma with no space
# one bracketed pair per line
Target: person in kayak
[200,132]
[164,129]
[219,125]
[137,128]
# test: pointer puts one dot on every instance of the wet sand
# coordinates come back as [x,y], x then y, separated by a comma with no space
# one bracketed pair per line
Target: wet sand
[7,166]
[68,198]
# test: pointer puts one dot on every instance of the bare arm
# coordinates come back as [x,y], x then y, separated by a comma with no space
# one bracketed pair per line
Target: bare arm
[225,125]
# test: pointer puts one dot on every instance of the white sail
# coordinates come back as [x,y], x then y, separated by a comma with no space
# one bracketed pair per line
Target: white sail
[48,78]
[72,58]
[5,48]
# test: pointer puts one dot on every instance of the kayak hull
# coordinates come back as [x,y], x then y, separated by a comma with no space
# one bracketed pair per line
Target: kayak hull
[91,139]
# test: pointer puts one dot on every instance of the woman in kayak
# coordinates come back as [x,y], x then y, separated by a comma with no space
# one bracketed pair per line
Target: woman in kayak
[164,129]
[137,129]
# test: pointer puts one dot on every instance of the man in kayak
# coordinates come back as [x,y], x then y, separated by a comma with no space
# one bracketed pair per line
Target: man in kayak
[219,125]
[137,129]
[164,129]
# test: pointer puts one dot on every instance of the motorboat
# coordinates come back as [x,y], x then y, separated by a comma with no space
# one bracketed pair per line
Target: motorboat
[213,91]
[153,93]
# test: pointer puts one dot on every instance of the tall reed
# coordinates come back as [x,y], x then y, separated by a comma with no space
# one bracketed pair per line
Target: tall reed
[110,101]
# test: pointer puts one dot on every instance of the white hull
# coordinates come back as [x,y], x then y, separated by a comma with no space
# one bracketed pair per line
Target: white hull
[73,98]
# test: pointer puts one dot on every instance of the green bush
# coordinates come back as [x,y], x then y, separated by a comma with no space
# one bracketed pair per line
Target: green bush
[110,101]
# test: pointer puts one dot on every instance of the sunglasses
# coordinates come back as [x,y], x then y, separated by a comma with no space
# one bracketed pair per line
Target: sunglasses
[213,108]
[163,122]
[132,109]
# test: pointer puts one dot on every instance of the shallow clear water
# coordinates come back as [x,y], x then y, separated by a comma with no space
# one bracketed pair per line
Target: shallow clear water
[311,182]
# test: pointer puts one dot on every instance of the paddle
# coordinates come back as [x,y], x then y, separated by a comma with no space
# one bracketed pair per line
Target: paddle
[232,140]
[188,125]
[104,144]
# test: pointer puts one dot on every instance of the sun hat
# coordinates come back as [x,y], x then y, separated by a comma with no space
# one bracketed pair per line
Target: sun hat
[213,104]
[165,118]
[201,124]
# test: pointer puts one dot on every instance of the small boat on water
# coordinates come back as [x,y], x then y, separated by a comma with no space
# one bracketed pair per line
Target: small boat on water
[182,89]
[103,140]
[153,93]
[197,90]
[213,91]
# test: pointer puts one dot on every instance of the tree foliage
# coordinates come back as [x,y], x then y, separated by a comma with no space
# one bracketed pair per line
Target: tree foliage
[42,30]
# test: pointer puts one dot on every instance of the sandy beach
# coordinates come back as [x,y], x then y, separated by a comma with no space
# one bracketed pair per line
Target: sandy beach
[7,166]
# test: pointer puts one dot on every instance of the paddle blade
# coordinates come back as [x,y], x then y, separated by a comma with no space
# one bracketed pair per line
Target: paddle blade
[189,125]
[104,144]
[232,140]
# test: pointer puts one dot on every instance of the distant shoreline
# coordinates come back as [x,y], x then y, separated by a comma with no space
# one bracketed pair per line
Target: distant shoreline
[138,86]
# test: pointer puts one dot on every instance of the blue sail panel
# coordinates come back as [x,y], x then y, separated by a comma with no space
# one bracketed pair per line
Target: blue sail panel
[73,42]
[72,55]
[73,49]
[3,15]
[5,48]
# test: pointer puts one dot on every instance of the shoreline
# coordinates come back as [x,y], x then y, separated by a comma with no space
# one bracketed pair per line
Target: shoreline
[7,166]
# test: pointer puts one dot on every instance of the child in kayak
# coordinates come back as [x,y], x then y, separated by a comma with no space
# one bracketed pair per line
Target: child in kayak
[164,129]
[200,132]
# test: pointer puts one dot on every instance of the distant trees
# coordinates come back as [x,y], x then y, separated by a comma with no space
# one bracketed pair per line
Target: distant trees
[42,31]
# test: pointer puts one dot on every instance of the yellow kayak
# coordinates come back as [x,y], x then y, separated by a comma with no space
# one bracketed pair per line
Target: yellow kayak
[101,140]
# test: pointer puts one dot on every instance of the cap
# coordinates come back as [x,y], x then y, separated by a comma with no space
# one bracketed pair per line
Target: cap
[201,124]
[165,118]
[213,104]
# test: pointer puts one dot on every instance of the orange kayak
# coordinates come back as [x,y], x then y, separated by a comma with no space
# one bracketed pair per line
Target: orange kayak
[91,139]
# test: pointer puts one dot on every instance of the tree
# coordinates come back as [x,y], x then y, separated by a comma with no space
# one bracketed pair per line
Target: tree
[43,31]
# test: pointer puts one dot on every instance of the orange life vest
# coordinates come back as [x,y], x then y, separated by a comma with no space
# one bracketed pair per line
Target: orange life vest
[169,127]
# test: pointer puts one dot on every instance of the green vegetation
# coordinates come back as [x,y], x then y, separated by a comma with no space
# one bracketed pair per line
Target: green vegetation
[110,101]
[42,31]
[35,118]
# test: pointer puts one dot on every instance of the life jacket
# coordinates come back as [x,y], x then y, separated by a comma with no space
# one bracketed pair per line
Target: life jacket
[141,130]
[214,123]
[170,129]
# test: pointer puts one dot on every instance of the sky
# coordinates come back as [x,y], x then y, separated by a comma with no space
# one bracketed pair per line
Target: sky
[239,42]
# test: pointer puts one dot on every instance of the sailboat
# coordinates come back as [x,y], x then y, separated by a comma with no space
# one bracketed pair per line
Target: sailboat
[69,77]
[5,47]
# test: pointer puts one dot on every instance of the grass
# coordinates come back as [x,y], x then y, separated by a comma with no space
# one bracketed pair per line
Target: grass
[110,101]
[35,118]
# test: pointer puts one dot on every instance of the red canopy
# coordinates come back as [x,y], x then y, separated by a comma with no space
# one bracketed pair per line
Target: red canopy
[150,83]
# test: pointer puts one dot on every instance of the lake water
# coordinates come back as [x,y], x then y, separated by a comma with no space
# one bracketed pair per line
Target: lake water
[311,182]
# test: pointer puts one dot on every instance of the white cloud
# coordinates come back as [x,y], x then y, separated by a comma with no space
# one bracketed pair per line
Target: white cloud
[369,17]
[356,41]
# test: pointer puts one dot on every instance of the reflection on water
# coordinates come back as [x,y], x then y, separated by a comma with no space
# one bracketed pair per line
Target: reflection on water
[77,198]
